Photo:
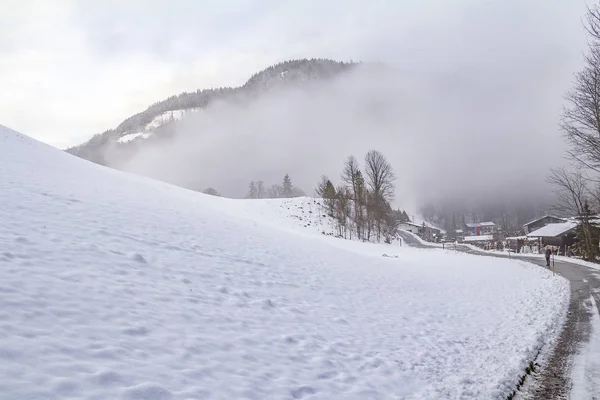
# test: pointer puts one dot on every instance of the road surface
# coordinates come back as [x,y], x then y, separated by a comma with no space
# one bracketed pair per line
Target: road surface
[554,381]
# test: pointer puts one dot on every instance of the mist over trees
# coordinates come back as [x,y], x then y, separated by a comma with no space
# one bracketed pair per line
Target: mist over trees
[258,190]
[314,112]
[360,205]
[508,214]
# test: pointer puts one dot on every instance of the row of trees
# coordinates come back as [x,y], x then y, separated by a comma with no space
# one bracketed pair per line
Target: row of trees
[258,190]
[578,188]
[361,203]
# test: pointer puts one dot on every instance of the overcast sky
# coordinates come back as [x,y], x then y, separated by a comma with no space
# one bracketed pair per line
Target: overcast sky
[72,68]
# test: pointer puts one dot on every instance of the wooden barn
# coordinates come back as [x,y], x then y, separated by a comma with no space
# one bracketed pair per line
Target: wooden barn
[541,222]
[561,235]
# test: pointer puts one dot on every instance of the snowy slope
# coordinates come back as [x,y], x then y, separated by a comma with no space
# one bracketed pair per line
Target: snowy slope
[114,286]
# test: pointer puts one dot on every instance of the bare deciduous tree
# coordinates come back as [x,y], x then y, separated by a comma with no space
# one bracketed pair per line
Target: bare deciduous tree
[581,116]
[322,186]
[380,178]
[261,192]
[573,198]
[351,167]
[380,175]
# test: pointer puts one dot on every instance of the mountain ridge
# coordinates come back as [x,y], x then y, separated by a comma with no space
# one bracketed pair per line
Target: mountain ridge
[285,73]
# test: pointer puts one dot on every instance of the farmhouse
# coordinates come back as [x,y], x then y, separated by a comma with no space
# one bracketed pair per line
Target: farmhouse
[561,235]
[410,227]
[541,222]
[425,230]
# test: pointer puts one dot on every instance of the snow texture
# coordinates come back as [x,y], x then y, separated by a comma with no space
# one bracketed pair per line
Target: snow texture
[553,230]
[114,286]
[585,372]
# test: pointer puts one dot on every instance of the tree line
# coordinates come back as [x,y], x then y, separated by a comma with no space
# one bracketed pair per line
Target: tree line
[258,190]
[360,205]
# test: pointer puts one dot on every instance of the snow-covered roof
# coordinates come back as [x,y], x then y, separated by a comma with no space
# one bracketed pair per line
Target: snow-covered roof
[545,216]
[480,224]
[480,238]
[553,230]
[420,221]
[411,224]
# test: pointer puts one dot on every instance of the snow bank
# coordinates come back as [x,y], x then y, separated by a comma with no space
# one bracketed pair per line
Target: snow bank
[114,286]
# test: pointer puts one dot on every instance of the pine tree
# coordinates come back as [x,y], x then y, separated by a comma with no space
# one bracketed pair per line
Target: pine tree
[329,195]
[252,191]
[287,186]
[359,203]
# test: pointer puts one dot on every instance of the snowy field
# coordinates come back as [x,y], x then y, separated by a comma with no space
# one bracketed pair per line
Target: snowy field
[114,286]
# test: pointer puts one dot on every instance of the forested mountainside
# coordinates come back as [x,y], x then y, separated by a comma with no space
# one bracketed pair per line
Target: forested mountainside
[152,124]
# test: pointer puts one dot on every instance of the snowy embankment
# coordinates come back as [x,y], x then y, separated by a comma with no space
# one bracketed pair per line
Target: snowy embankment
[114,286]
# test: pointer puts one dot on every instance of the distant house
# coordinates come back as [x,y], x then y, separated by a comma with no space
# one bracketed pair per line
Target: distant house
[484,241]
[480,228]
[478,239]
[541,222]
[425,230]
[561,235]
[410,227]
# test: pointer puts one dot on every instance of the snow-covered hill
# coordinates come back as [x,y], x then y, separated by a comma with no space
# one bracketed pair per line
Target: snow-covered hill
[114,286]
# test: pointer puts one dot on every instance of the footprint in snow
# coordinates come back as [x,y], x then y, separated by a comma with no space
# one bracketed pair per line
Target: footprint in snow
[302,391]
[138,258]
[267,304]
[137,331]
[147,391]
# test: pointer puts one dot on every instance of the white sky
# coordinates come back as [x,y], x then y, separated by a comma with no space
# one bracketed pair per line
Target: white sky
[72,68]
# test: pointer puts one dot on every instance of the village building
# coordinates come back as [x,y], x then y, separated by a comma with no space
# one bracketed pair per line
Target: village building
[480,229]
[541,222]
[459,234]
[424,230]
[409,227]
[560,235]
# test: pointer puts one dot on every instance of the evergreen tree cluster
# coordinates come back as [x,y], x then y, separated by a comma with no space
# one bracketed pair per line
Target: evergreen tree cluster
[360,205]
[258,190]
